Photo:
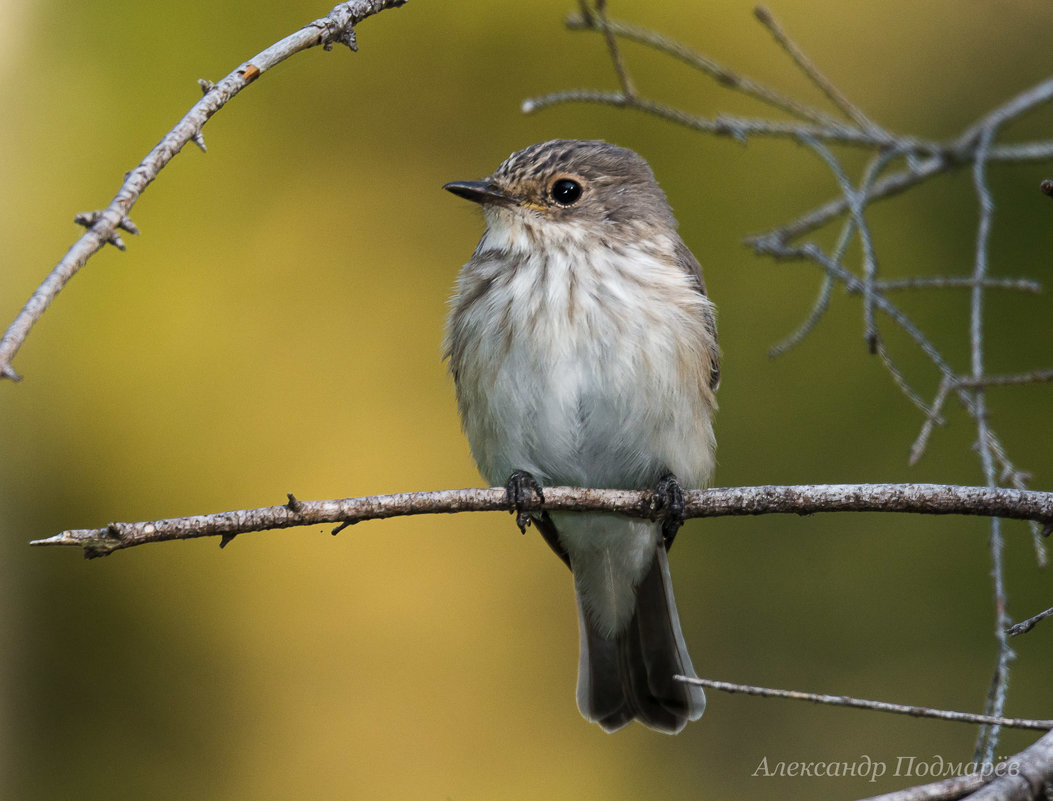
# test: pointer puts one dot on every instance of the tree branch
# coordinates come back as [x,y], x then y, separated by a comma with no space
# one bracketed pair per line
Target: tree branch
[337,27]
[1021,777]
[1024,626]
[945,790]
[1032,768]
[937,499]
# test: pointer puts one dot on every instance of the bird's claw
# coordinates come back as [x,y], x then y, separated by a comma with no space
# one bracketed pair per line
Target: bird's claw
[520,490]
[668,501]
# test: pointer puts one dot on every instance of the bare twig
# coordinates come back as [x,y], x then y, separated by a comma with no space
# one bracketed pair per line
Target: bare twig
[739,128]
[857,202]
[950,156]
[703,63]
[935,499]
[987,739]
[823,301]
[813,253]
[898,182]
[1024,626]
[808,67]
[337,27]
[932,419]
[1033,377]
[900,380]
[597,18]
[863,703]
[957,282]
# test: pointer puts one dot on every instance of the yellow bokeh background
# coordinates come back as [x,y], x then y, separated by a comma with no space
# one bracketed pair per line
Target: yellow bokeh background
[276,328]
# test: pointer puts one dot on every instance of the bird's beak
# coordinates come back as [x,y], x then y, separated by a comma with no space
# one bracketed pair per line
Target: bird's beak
[479,192]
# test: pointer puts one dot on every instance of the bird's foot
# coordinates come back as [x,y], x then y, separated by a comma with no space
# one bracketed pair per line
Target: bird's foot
[520,490]
[668,502]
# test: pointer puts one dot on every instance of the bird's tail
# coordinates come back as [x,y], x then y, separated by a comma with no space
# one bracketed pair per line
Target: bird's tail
[630,675]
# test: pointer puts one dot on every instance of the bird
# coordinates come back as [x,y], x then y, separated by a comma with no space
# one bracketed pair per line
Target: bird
[583,350]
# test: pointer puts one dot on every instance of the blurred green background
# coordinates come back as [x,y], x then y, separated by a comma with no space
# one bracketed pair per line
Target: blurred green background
[277,329]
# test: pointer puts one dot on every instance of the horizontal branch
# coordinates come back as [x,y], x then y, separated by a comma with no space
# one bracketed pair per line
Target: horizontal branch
[740,128]
[1033,377]
[877,706]
[936,499]
[956,282]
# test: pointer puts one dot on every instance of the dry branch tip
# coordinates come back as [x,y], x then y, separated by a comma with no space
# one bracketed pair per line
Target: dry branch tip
[295,505]
[1025,626]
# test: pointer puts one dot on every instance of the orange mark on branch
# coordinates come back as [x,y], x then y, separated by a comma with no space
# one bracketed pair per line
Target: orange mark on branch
[250,73]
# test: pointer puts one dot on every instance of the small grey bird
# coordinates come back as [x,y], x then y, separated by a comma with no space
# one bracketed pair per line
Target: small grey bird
[584,352]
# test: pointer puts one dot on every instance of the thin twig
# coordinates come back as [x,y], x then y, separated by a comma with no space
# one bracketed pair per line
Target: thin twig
[1012,109]
[937,499]
[898,182]
[857,202]
[337,27]
[811,252]
[597,17]
[863,703]
[721,74]
[1033,377]
[808,67]
[889,186]
[957,282]
[987,740]
[932,419]
[900,380]
[739,128]
[822,303]
[1025,626]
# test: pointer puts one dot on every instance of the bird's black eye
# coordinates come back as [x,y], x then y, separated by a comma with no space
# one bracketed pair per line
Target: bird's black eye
[565,191]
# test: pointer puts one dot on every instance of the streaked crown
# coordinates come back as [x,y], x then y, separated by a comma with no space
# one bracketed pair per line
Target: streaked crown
[576,180]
